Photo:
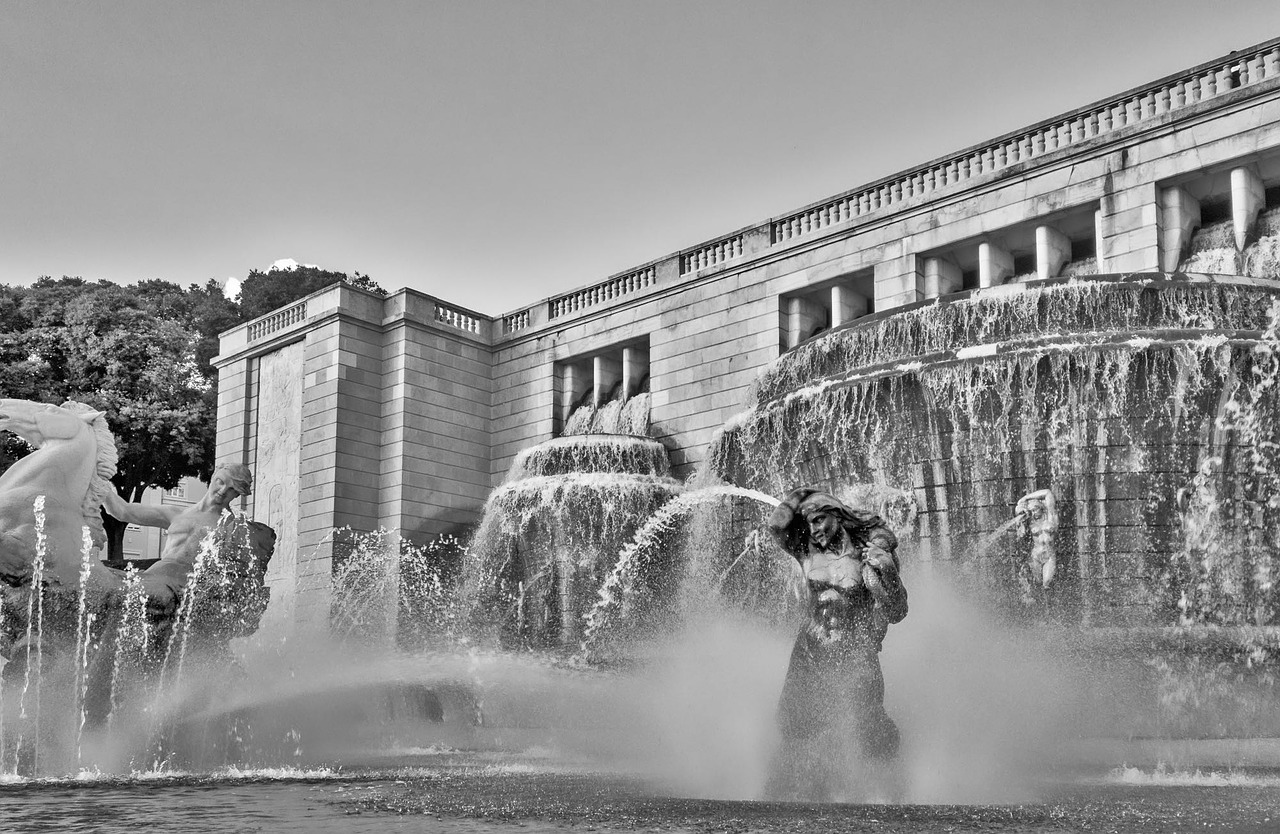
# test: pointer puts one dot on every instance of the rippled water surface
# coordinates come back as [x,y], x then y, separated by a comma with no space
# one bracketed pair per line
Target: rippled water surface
[509,798]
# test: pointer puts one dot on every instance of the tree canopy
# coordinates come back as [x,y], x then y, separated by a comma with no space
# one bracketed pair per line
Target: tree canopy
[262,292]
[141,353]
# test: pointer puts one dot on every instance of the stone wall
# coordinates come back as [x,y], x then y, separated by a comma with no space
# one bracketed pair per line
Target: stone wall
[412,408]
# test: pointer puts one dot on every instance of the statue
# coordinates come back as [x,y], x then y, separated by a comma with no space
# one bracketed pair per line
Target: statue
[832,704]
[1037,516]
[187,528]
[51,529]
[71,467]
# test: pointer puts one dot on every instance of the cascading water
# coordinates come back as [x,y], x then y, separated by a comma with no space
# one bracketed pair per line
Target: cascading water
[617,416]
[1212,249]
[1146,404]
[552,531]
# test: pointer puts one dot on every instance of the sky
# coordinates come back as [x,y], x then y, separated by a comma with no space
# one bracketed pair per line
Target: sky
[494,153]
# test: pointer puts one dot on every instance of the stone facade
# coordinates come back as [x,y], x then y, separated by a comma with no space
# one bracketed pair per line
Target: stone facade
[411,408]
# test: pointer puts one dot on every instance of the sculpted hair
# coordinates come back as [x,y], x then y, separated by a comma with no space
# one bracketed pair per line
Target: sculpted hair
[239,475]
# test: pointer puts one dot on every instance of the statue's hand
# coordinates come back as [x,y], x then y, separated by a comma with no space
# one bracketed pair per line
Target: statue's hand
[881,560]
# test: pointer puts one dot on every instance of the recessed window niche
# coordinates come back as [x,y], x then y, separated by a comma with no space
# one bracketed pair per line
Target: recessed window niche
[604,392]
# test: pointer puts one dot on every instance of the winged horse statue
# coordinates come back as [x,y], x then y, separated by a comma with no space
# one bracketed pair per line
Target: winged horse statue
[71,467]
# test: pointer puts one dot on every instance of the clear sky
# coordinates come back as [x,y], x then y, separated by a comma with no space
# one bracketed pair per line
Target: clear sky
[494,153]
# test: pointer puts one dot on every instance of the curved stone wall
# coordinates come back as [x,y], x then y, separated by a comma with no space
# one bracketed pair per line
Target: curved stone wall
[1144,402]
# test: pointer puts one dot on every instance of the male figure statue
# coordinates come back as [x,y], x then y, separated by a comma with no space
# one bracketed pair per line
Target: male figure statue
[832,704]
[187,526]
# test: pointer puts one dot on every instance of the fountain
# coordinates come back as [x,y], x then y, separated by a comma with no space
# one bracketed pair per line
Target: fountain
[552,530]
[1143,404]
[86,646]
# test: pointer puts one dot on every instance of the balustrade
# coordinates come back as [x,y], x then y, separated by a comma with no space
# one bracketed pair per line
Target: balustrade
[279,320]
[606,291]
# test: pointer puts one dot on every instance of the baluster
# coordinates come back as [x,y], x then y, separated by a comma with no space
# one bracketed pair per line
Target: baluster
[1209,85]
[1271,63]
[1179,96]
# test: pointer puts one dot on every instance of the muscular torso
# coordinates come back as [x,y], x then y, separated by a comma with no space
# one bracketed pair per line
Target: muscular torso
[186,531]
[842,610]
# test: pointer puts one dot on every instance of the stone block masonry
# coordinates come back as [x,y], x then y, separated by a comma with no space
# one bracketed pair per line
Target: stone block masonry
[409,409]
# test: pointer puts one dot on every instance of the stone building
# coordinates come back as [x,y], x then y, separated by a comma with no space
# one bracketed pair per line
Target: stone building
[404,412]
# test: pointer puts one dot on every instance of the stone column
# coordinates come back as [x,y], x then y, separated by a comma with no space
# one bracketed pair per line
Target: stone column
[1179,218]
[607,372]
[635,364]
[995,265]
[803,317]
[846,305]
[1053,250]
[942,276]
[574,382]
[1248,198]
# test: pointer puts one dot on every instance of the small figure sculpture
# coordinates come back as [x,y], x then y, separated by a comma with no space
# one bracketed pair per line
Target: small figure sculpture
[186,526]
[834,690]
[1038,518]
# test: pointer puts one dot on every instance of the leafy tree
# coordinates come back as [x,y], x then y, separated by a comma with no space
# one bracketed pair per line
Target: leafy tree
[139,353]
[143,354]
[263,292]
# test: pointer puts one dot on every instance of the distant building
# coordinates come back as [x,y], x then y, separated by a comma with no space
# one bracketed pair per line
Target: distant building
[143,545]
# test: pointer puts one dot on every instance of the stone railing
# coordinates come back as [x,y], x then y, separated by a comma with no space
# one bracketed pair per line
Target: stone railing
[460,319]
[278,320]
[710,254]
[515,322]
[616,287]
[1132,108]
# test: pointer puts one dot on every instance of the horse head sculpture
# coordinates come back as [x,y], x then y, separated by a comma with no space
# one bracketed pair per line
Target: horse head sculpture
[71,467]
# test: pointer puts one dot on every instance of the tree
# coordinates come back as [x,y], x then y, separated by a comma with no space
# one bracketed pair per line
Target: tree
[139,353]
[262,292]
[143,354]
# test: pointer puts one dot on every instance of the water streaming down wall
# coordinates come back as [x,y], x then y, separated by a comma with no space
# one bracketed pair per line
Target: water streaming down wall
[617,416]
[553,530]
[1139,400]
[1212,249]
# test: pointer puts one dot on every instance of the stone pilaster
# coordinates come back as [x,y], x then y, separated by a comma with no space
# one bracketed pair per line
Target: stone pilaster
[942,276]
[1053,250]
[995,264]
[1179,218]
[1248,199]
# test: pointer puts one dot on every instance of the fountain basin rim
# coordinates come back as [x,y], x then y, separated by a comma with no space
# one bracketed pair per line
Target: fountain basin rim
[592,480]
[571,439]
[1059,343]
[1140,279]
